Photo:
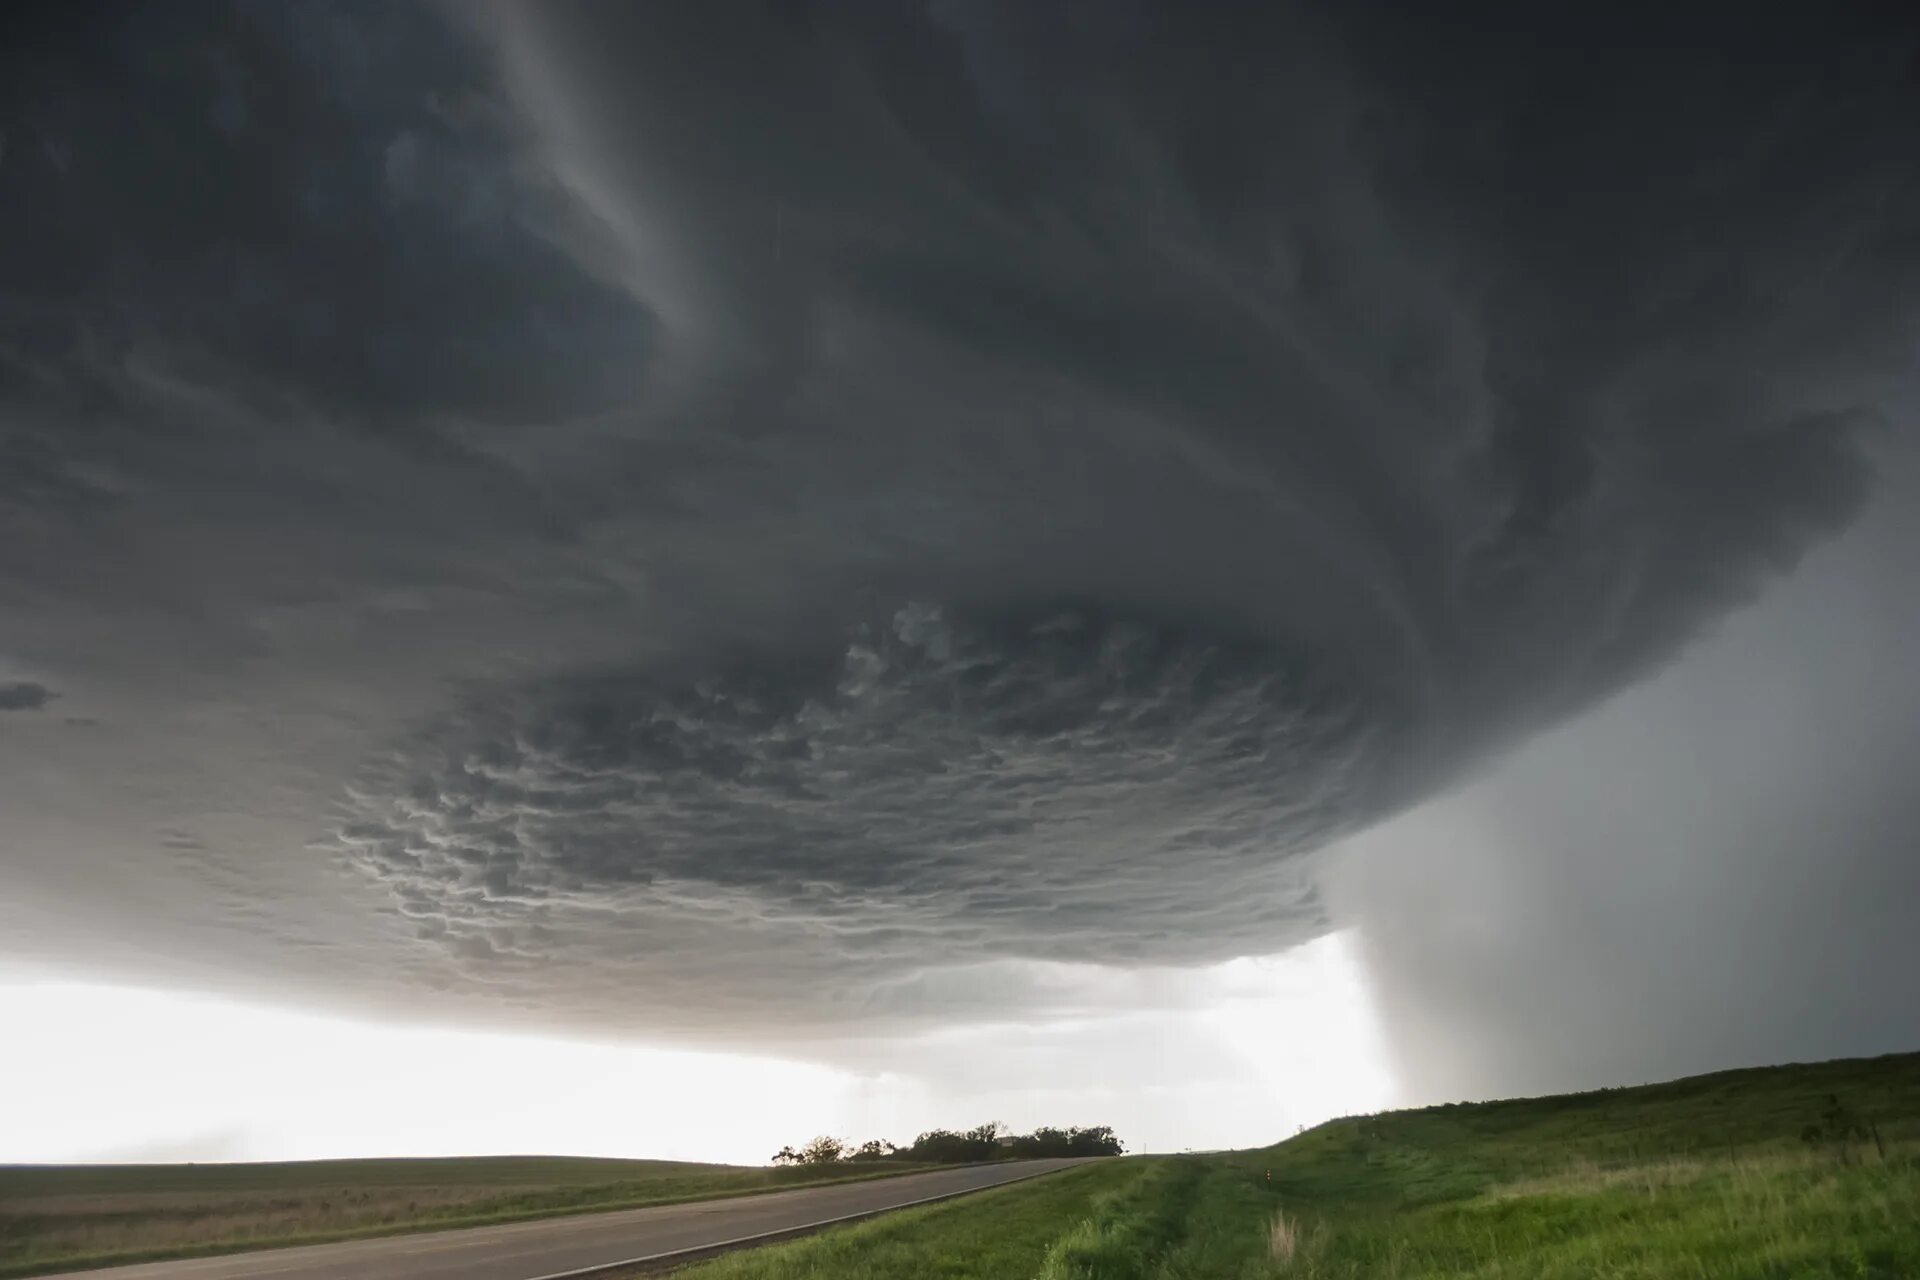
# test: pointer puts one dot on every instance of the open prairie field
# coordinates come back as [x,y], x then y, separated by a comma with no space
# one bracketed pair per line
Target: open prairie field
[75,1215]
[1780,1173]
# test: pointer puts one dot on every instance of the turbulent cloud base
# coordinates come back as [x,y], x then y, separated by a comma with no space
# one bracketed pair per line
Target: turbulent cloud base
[1064,788]
[666,516]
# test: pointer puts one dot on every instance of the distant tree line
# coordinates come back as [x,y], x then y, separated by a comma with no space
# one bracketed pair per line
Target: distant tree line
[946,1146]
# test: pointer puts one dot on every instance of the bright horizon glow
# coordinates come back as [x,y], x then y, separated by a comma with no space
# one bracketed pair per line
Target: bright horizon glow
[117,1074]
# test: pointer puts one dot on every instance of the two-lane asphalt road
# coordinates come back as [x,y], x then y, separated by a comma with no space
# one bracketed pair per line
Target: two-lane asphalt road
[551,1247]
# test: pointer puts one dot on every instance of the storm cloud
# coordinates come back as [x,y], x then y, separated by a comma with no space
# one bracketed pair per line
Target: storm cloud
[698,516]
[1057,788]
[1718,868]
[24,695]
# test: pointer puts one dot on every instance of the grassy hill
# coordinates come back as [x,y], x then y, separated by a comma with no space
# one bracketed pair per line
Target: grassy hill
[70,1216]
[1777,1173]
[1803,1170]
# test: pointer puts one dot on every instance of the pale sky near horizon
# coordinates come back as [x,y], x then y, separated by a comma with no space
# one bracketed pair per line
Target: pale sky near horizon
[122,1074]
[1183,566]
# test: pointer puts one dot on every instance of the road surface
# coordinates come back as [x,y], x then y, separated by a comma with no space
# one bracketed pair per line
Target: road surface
[552,1247]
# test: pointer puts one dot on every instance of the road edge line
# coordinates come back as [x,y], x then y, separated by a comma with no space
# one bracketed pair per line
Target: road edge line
[721,1246]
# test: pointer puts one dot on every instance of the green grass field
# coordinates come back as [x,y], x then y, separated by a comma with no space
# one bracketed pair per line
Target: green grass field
[73,1216]
[1708,1178]
[1002,1232]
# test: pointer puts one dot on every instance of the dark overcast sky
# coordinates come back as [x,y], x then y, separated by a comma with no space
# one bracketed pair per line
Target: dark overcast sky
[728,519]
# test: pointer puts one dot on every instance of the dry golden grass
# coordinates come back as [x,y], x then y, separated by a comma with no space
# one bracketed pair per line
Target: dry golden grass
[1283,1238]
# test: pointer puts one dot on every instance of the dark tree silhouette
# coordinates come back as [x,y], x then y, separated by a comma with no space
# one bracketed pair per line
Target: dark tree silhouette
[989,1141]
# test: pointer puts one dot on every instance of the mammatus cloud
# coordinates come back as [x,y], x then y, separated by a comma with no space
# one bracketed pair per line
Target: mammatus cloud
[1063,787]
[700,518]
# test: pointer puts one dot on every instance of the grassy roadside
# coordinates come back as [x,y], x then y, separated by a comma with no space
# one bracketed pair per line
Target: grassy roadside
[1713,1177]
[1803,1172]
[1799,1172]
[74,1217]
[1137,1217]
[1004,1231]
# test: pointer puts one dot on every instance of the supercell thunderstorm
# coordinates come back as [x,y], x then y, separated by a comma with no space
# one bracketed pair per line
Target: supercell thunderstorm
[691,518]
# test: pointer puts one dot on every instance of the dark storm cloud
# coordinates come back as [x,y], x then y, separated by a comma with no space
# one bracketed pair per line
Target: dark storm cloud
[24,695]
[745,501]
[1055,787]
[1717,869]
[317,195]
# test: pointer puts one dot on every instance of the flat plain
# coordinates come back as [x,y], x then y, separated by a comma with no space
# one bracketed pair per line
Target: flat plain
[1799,1172]
[72,1216]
